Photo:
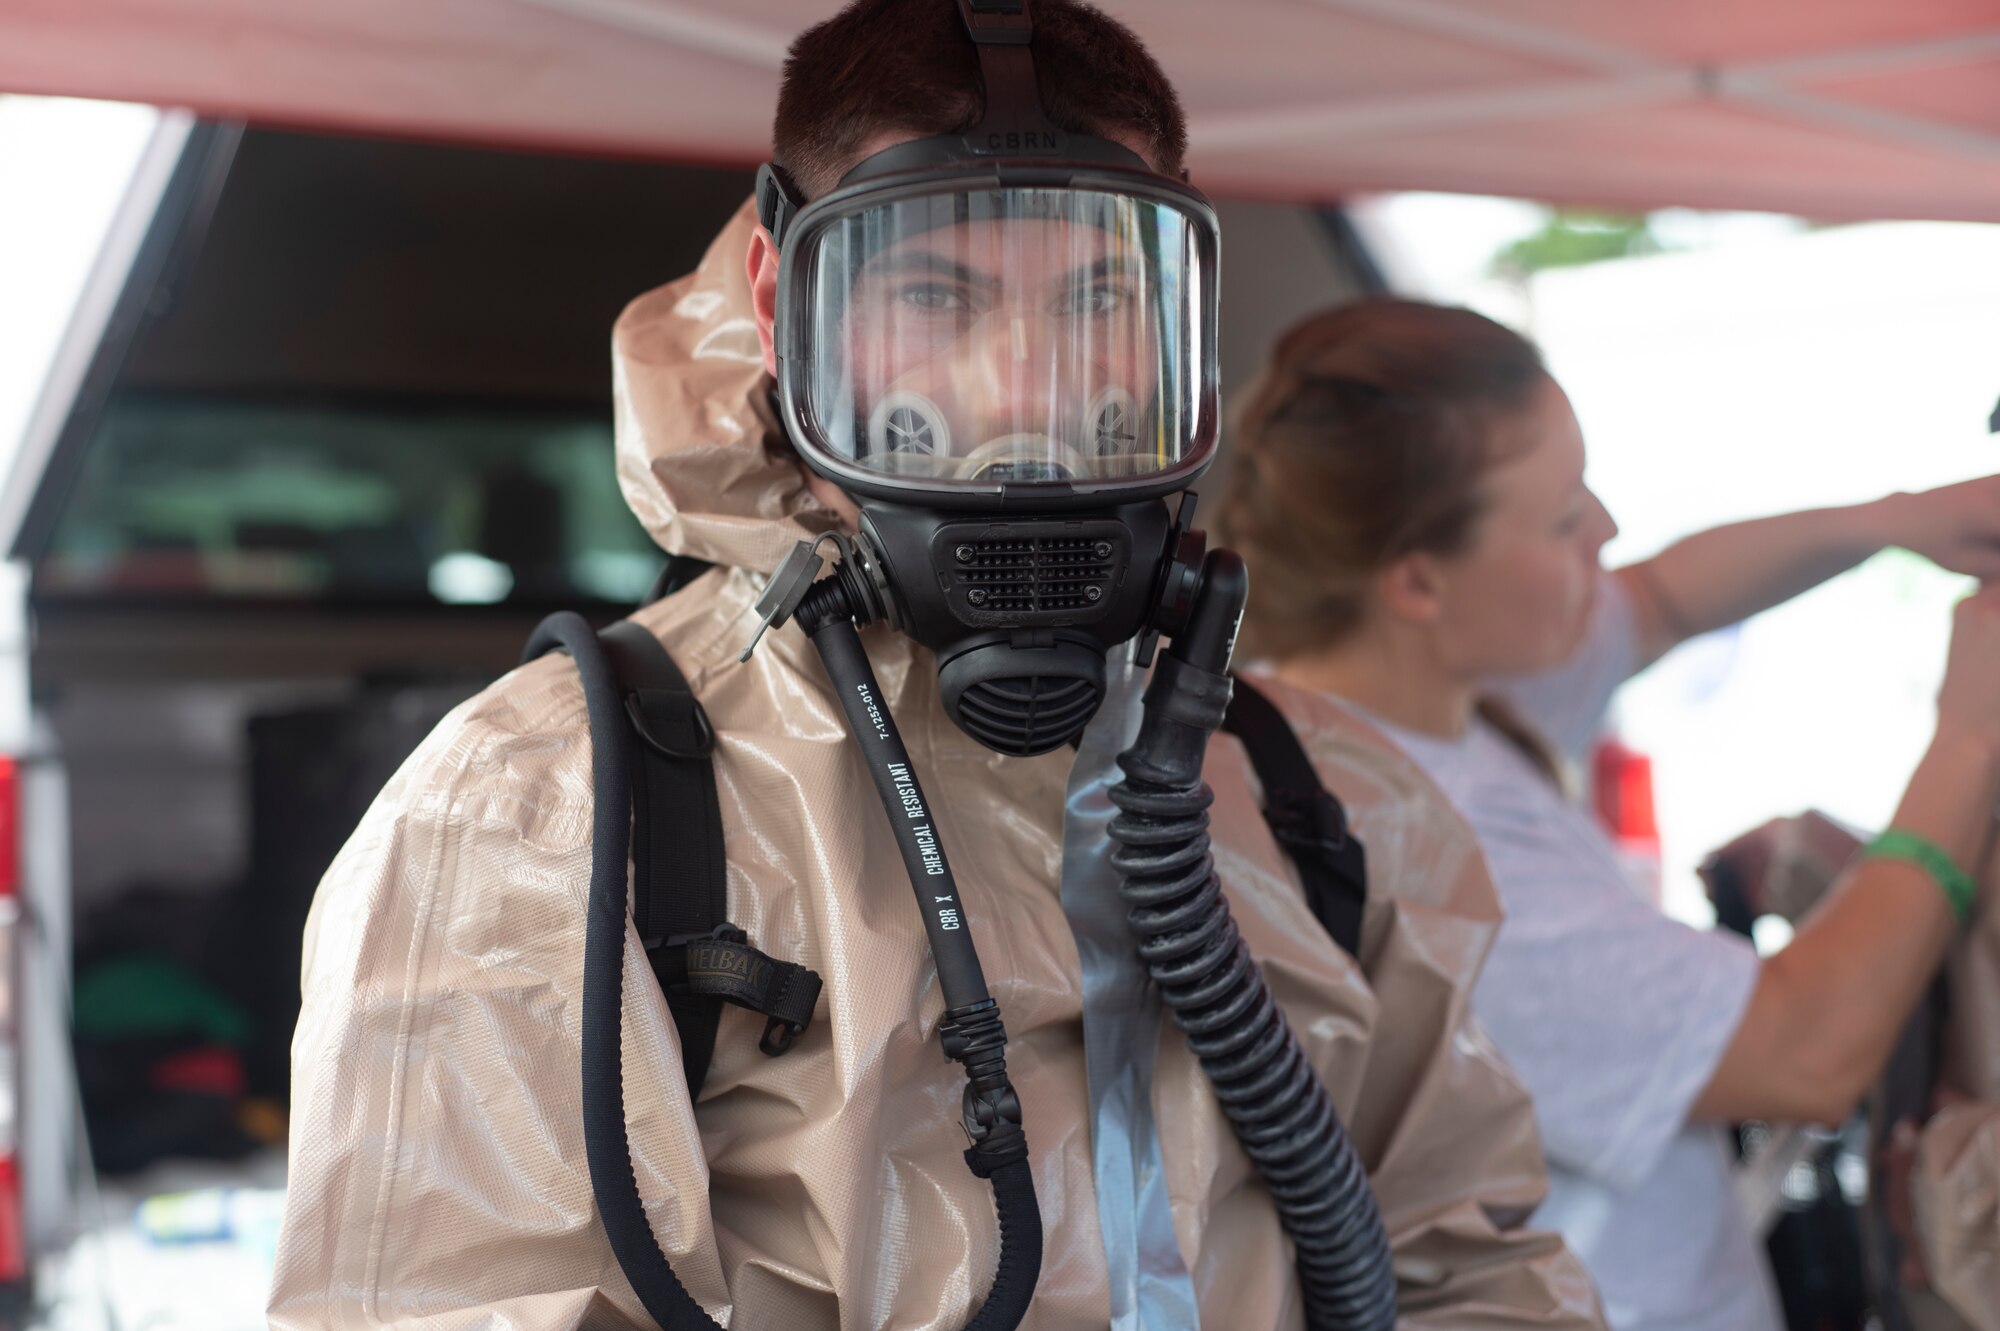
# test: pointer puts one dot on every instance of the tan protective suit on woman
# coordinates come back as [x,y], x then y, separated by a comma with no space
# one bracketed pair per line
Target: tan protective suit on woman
[437,1160]
[1955,1190]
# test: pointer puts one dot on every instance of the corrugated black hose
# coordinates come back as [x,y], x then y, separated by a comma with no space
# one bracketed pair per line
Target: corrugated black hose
[1273,1096]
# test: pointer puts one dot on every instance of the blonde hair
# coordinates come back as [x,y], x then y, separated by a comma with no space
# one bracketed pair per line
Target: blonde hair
[1367,438]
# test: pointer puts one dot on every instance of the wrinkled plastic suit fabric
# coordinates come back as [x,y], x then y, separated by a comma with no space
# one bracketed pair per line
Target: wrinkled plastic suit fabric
[437,1162]
[1955,1191]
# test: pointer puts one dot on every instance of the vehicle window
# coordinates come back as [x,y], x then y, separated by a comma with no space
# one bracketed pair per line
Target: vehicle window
[186,496]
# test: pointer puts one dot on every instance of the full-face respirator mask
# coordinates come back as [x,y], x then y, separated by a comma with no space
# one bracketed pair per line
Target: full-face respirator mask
[1002,345]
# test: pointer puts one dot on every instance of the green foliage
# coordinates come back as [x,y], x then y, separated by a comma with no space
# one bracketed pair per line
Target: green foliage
[1575,236]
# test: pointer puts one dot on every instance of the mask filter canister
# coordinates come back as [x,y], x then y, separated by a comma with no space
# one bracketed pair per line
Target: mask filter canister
[906,426]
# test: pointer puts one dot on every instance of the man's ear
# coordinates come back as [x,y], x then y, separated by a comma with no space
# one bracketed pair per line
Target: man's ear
[1412,589]
[761,265]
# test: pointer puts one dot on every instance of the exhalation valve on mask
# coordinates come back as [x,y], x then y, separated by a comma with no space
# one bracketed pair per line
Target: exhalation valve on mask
[1021,612]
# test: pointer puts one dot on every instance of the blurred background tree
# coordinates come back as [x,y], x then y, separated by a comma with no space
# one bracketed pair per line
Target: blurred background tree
[1575,236]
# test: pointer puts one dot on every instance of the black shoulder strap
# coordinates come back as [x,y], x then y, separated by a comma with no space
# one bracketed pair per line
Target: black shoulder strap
[679,874]
[679,571]
[678,881]
[1303,815]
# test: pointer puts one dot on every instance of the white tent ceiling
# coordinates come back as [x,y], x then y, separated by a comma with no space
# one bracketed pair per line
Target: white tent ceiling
[1829,108]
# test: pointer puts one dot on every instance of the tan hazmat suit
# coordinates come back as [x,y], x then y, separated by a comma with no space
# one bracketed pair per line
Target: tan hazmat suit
[437,1159]
[1955,1190]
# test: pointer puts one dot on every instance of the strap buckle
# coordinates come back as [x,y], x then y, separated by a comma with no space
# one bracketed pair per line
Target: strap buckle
[778,201]
[704,732]
[720,963]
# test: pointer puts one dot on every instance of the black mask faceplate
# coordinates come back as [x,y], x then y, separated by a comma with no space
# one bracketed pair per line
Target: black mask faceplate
[1022,611]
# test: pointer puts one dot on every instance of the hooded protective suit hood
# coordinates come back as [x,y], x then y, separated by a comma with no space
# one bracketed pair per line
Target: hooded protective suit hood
[437,1174]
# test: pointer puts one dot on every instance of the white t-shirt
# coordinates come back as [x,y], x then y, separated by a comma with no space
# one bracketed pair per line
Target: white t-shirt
[1613,1015]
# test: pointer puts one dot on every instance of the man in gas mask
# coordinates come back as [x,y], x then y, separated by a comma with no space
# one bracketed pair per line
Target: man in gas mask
[989,305]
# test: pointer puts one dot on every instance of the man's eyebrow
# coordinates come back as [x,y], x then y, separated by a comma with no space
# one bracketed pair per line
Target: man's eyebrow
[926,262]
[1111,265]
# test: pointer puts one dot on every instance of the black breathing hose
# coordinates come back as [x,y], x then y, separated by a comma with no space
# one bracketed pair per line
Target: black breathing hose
[972,1033]
[1273,1097]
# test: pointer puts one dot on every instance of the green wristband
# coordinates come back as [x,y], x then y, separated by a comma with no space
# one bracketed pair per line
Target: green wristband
[1954,882]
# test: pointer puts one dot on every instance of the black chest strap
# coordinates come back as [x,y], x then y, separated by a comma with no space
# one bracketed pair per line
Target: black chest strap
[1304,817]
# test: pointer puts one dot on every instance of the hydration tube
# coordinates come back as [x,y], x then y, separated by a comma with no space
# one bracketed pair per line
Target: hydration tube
[972,1033]
[1270,1092]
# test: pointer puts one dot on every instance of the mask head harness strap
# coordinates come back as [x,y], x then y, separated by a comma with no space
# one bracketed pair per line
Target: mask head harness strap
[1014,126]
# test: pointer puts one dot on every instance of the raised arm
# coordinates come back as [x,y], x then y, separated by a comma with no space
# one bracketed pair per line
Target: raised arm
[1828,1007]
[1718,577]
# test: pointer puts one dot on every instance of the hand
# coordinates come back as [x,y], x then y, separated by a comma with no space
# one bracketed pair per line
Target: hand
[1746,862]
[1956,527]
[1895,1162]
[1895,1166]
[1784,866]
[1969,700]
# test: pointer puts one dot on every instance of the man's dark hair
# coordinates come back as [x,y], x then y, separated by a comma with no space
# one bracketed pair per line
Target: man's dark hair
[907,67]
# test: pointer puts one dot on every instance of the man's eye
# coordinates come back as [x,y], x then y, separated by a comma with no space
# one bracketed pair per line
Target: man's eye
[1103,298]
[934,297]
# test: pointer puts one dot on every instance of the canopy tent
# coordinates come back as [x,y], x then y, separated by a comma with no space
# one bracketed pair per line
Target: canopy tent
[1835,109]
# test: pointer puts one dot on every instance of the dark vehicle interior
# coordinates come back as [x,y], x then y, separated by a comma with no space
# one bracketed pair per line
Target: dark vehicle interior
[355,441]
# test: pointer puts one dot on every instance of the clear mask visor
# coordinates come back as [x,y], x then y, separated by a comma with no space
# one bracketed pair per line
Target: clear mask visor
[1008,336]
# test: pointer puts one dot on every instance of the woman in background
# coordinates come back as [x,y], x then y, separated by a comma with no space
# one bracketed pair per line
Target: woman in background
[1408,488]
